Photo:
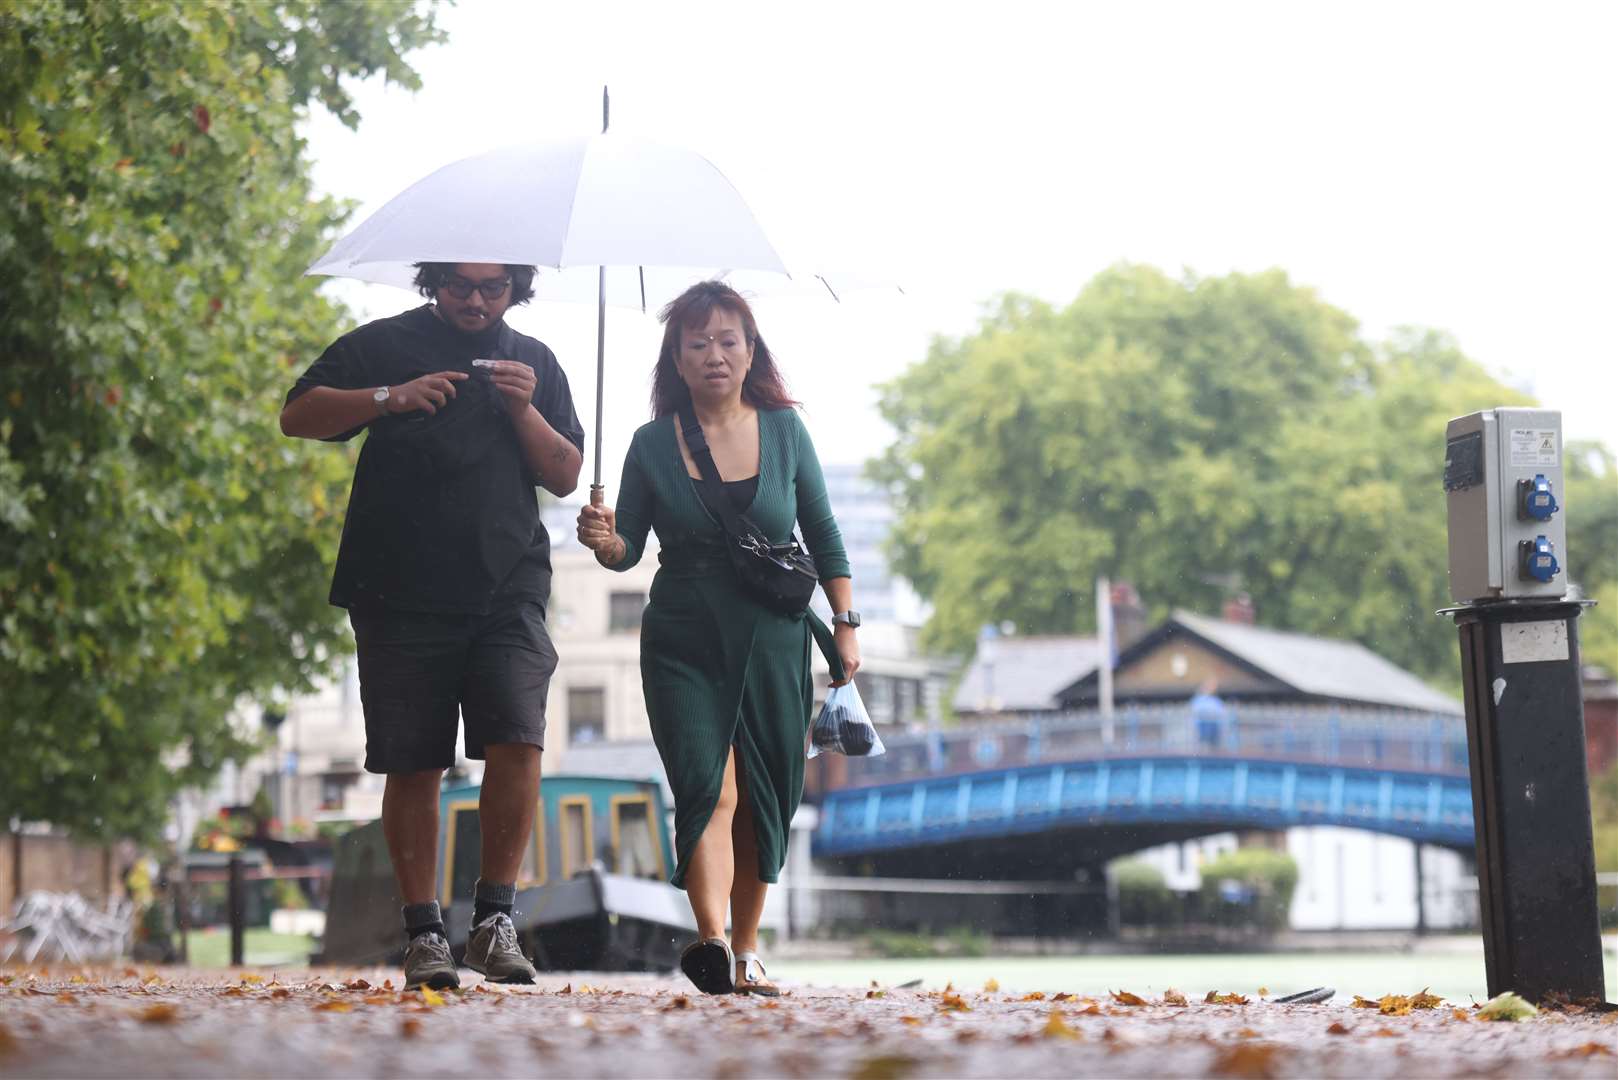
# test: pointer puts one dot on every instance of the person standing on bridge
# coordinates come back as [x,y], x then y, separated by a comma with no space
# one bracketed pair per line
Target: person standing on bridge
[726,678]
[445,571]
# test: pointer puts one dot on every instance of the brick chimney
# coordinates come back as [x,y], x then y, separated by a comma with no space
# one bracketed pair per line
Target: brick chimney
[1239,609]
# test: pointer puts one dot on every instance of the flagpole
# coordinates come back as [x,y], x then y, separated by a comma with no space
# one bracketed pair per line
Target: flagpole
[1104,669]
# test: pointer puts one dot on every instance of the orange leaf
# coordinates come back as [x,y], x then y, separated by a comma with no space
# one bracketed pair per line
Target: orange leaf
[356,984]
[1362,1003]
[1216,998]
[1035,996]
[1589,1049]
[158,1014]
[680,1002]
[1385,1033]
[1249,1059]
[1247,1033]
[1174,997]
[1459,1014]
[410,1028]
[953,1003]
[334,1006]
[1093,1010]
[911,1021]
[992,986]
[1424,1000]
[1337,1029]
[1124,997]
[1063,997]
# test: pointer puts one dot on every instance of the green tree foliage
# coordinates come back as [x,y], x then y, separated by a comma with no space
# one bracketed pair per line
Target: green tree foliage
[163,549]
[1190,436]
[1250,887]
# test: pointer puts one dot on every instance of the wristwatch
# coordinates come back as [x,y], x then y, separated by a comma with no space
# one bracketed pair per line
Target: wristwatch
[850,619]
[381,399]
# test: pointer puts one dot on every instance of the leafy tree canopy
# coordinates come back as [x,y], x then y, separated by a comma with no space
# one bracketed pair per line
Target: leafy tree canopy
[1196,437]
[162,547]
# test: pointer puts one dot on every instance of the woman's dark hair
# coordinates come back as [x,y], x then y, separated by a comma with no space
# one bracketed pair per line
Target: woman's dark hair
[430,278]
[763,388]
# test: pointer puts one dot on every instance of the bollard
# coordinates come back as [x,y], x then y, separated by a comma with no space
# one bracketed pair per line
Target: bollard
[1519,630]
[235,900]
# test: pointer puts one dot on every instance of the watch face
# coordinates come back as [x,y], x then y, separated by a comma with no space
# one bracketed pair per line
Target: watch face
[380,396]
[848,618]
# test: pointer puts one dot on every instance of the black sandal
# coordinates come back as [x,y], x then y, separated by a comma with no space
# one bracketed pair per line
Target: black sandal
[709,965]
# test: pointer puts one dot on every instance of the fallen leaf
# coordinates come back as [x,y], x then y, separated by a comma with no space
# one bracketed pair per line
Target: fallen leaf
[1249,1059]
[1589,1049]
[158,1014]
[233,991]
[884,1067]
[680,1002]
[1364,1003]
[431,996]
[248,980]
[1093,1010]
[1507,1006]
[66,998]
[953,1003]
[1385,1033]
[1124,997]
[356,984]
[379,999]
[1058,1028]
[992,986]
[334,1006]
[1063,997]
[1246,1033]
[410,1028]
[1337,1029]
[876,993]
[1035,996]
[568,989]
[1393,1005]
[1263,991]
[387,984]
[1216,998]
[586,988]
[911,1021]
[1459,1014]
[1174,997]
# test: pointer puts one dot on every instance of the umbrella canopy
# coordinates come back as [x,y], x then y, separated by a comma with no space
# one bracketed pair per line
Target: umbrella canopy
[601,201]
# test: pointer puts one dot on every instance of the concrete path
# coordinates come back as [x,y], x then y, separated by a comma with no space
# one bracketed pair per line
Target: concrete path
[130,1022]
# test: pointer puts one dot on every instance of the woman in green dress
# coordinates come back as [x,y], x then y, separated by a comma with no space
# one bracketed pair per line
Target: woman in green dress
[726,680]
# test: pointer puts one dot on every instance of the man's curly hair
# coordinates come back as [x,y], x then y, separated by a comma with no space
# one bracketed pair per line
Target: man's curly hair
[430,278]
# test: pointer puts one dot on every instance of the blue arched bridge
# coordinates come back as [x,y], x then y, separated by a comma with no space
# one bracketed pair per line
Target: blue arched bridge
[1048,795]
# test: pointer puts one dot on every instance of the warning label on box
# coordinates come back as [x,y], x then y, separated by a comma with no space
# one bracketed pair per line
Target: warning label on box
[1533,446]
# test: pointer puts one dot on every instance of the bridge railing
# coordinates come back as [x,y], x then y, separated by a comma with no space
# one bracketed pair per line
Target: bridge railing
[1433,743]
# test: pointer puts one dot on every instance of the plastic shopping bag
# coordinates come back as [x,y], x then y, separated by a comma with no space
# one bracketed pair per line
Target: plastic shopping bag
[844,727]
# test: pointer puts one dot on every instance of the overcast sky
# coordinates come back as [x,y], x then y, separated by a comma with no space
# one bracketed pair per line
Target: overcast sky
[1448,165]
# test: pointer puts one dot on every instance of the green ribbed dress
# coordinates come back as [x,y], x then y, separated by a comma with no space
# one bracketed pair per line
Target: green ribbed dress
[718,669]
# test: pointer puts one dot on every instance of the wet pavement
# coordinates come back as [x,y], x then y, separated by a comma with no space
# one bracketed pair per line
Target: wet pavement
[129,1022]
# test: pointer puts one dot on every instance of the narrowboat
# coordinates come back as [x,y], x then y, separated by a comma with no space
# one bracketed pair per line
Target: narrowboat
[592,894]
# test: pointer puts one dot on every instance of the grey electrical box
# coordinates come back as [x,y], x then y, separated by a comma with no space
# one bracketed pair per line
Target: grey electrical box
[1503,479]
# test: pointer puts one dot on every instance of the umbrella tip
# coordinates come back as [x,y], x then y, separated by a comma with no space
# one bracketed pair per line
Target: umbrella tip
[604,112]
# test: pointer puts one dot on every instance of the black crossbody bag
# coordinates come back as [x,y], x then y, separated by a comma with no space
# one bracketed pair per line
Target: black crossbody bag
[781,576]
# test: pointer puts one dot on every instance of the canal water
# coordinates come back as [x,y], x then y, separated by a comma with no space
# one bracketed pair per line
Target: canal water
[1453,970]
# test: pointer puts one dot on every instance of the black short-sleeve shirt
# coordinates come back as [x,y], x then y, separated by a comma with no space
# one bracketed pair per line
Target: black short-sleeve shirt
[443,515]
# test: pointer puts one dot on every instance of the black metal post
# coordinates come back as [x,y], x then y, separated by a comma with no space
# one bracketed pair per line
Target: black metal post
[1421,894]
[236,901]
[1531,799]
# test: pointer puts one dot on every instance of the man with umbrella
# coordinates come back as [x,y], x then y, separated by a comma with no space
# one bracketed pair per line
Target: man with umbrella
[444,568]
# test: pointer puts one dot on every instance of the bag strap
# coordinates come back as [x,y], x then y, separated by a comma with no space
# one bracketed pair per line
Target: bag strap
[697,443]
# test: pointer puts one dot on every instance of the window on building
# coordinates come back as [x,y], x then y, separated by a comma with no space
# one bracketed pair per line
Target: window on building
[624,611]
[586,714]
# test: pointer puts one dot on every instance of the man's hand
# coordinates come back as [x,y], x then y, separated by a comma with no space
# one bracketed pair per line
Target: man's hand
[425,394]
[515,381]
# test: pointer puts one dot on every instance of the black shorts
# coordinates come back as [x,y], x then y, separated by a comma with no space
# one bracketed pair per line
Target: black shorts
[419,669]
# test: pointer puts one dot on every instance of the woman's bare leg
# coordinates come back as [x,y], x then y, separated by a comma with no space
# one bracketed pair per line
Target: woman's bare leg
[746,890]
[713,865]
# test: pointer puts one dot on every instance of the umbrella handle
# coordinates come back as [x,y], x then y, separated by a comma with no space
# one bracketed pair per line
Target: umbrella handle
[597,495]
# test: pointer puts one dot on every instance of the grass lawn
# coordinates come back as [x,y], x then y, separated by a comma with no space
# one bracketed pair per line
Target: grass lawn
[210,948]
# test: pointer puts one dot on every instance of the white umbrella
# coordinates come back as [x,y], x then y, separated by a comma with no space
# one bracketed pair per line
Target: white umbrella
[602,201]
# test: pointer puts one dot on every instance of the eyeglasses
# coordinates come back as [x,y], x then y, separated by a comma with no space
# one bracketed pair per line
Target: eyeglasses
[461,288]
